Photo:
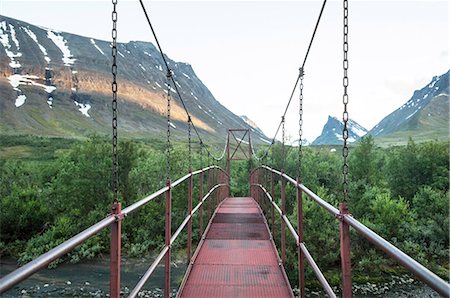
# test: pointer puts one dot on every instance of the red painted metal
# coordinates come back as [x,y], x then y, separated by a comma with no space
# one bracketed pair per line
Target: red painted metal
[301,257]
[168,235]
[228,154]
[272,193]
[266,186]
[189,240]
[236,252]
[345,253]
[201,206]
[114,267]
[237,258]
[283,224]
[208,187]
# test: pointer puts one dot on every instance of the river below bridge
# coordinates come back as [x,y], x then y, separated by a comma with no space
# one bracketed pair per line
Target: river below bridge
[91,279]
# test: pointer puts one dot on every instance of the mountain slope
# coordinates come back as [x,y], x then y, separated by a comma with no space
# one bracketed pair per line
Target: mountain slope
[425,116]
[332,132]
[59,84]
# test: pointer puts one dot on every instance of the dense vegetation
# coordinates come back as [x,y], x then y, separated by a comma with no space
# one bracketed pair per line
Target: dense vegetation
[401,193]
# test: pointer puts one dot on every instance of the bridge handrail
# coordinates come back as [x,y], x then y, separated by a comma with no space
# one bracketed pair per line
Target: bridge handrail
[165,249]
[22,273]
[323,281]
[428,277]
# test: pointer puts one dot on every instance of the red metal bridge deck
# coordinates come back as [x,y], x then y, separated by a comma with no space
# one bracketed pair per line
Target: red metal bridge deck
[238,258]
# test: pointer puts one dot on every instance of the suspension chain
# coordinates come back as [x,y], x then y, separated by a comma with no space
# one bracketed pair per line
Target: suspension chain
[190,144]
[300,126]
[169,76]
[283,135]
[345,102]
[115,162]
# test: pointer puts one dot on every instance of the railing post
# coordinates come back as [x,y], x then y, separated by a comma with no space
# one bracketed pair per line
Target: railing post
[301,257]
[208,187]
[283,212]
[345,252]
[252,188]
[272,193]
[228,186]
[201,205]
[168,235]
[114,277]
[190,219]
[258,190]
[266,199]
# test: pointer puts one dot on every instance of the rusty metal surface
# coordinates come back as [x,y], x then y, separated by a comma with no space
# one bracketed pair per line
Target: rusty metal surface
[237,258]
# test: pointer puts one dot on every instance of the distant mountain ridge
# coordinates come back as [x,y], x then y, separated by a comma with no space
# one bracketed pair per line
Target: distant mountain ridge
[59,84]
[424,116]
[332,132]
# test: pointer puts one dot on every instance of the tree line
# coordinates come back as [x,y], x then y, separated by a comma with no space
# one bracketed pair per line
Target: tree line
[402,193]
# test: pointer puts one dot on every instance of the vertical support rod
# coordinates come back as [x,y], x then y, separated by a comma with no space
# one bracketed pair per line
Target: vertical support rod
[208,187]
[168,235]
[201,205]
[213,184]
[272,193]
[249,145]
[345,253]
[301,257]
[252,188]
[114,267]
[283,225]
[266,199]
[228,154]
[258,189]
[190,219]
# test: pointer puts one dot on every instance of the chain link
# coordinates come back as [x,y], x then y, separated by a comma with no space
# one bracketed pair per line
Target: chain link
[169,76]
[283,137]
[115,162]
[300,126]
[190,143]
[345,102]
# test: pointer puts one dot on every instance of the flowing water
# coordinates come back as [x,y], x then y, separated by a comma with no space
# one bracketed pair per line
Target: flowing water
[91,279]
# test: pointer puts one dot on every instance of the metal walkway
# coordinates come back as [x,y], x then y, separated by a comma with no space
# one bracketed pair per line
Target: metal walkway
[238,258]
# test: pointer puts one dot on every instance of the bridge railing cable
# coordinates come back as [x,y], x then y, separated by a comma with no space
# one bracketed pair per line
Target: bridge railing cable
[218,189]
[428,277]
[301,73]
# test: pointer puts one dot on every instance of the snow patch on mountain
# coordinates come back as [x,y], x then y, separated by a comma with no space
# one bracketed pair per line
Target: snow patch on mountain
[83,108]
[34,37]
[20,100]
[4,40]
[97,47]
[61,43]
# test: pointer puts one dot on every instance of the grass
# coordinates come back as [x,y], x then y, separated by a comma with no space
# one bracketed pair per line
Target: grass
[31,147]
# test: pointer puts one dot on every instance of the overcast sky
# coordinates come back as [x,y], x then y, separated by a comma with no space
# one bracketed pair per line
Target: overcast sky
[248,52]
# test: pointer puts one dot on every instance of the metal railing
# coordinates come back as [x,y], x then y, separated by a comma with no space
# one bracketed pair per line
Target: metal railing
[217,183]
[265,199]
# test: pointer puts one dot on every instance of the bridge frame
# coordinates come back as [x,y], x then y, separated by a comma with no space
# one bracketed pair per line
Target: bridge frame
[231,132]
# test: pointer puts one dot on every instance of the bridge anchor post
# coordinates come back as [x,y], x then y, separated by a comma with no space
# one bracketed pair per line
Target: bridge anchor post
[345,253]
[201,205]
[114,261]
[190,219]
[168,235]
[301,257]
[283,213]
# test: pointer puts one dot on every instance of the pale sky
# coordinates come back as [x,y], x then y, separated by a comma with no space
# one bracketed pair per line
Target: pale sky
[248,52]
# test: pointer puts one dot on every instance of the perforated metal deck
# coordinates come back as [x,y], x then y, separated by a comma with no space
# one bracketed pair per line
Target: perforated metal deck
[237,259]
